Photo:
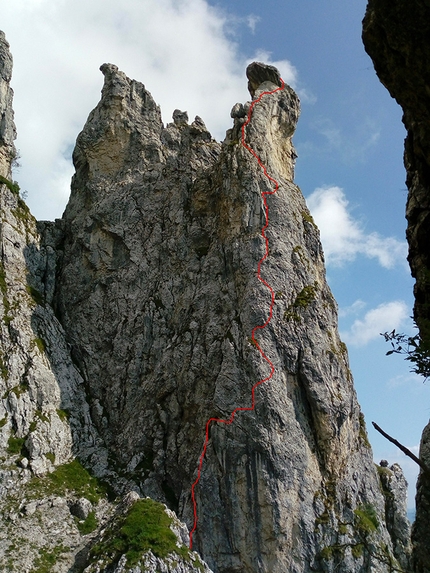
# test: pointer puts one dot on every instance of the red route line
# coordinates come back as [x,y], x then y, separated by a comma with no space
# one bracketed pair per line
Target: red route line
[272,368]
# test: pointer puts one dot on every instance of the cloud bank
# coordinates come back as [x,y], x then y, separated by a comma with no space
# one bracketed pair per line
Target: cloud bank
[344,238]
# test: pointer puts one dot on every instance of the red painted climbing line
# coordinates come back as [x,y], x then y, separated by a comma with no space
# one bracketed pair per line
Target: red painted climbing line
[272,293]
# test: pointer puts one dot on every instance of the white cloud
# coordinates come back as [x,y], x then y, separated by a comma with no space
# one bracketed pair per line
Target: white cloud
[252,21]
[344,238]
[384,318]
[182,50]
[349,143]
[355,308]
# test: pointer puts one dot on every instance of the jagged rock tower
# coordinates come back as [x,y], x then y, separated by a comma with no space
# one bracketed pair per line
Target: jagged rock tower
[152,275]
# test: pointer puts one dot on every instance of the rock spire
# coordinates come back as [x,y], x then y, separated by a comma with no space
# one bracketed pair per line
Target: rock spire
[127,324]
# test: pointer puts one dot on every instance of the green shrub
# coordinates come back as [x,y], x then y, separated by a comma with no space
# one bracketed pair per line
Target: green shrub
[415,348]
[303,300]
[15,445]
[305,296]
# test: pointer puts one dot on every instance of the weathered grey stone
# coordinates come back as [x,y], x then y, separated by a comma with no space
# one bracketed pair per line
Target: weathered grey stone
[180,118]
[81,508]
[158,294]
[395,490]
[7,126]
[152,276]
[421,526]
[259,73]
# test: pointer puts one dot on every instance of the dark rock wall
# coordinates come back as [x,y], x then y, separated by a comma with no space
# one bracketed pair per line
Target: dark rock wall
[396,35]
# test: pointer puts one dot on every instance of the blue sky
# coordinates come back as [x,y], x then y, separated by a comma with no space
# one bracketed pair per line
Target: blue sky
[191,54]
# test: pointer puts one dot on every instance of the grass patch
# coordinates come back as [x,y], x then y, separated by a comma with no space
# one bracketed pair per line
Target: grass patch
[146,527]
[47,559]
[4,371]
[89,525]
[40,343]
[15,445]
[366,518]
[71,477]
[19,390]
[3,421]
[51,457]
[362,431]
[357,550]
[36,295]
[3,288]
[38,416]
[306,216]
[11,185]
[64,415]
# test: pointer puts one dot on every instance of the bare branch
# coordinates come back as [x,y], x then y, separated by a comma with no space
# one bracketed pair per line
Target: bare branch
[405,450]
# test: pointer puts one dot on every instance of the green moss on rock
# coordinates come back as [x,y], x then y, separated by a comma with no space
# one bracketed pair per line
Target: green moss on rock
[71,477]
[145,527]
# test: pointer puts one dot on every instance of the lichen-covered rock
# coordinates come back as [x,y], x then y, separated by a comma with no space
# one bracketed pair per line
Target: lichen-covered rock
[158,294]
[396,35]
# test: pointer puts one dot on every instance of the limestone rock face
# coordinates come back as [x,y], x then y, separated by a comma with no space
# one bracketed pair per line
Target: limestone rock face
[126,325]
[394,487]
[396,35]
[158,294]
[44,417]
[7,126]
